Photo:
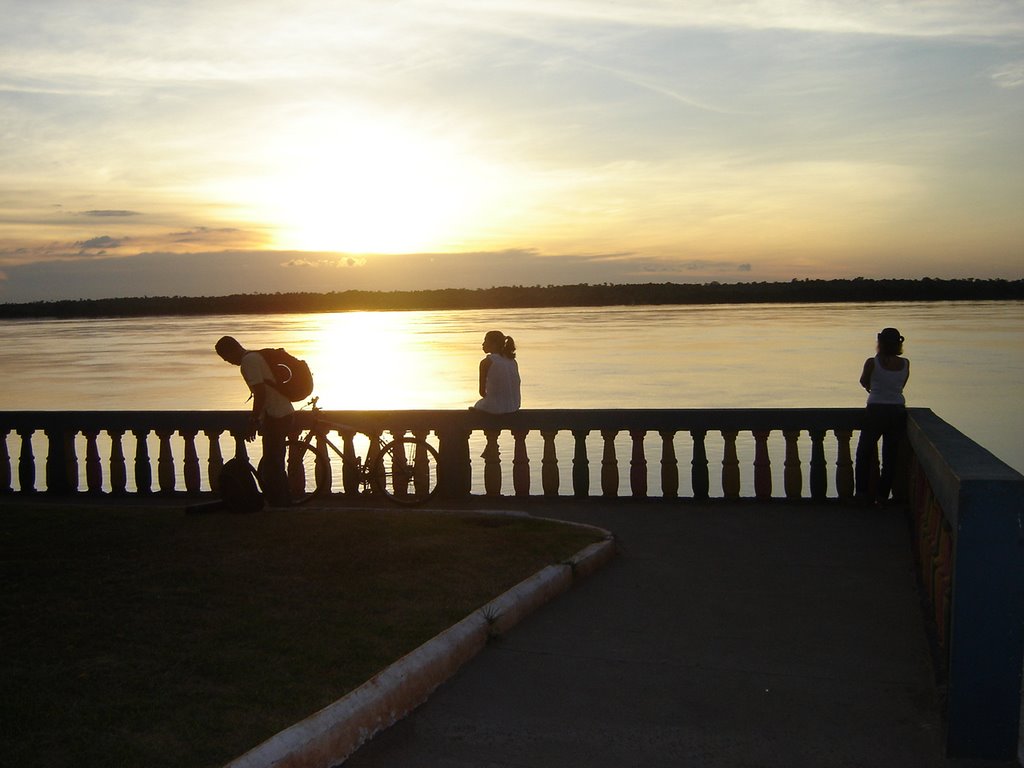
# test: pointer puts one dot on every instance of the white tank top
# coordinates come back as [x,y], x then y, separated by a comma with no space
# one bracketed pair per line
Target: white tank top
[502,386]
[886,385]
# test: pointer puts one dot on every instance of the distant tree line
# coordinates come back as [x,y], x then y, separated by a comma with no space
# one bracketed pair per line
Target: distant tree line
[518,296]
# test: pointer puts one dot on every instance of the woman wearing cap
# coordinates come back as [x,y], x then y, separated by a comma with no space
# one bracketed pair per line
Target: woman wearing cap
[884,377]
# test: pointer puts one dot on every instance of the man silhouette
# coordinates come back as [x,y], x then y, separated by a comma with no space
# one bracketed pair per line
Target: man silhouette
[272,416]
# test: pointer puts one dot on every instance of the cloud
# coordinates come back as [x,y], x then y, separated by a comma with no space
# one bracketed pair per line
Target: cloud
[687,265]
[209,236]
[100,242]
[111,214]
[228,272]
[1010,75]
[873,17]
[205,239]
[329,262]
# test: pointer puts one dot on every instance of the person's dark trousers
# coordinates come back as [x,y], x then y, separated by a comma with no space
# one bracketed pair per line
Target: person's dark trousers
[888,422]
[273,471]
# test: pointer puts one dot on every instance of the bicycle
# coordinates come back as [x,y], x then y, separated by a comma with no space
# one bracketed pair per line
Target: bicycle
[402,470]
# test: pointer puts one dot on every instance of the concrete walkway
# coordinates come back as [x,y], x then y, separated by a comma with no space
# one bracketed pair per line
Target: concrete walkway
[743,634]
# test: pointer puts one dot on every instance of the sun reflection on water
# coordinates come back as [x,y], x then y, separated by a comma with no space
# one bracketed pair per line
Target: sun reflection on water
[374,361]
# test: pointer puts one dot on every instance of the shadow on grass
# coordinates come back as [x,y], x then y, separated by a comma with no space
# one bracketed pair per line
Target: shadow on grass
[144,636]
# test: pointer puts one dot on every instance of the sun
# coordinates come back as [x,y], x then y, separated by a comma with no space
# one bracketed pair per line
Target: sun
[365,188]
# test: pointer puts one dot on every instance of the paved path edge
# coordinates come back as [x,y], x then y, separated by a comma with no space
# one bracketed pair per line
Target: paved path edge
[331,735]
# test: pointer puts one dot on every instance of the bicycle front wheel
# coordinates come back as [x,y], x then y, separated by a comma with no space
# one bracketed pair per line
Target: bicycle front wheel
[309,471]
[406,471]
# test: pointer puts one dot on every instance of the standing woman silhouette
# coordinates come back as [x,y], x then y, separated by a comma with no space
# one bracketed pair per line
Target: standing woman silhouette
[499,375]
[884,377]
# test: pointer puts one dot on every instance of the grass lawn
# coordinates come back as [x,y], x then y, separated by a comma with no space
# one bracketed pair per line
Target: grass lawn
[142,636]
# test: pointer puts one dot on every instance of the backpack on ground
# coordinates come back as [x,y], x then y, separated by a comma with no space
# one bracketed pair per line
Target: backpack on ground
[292,377]
[238,489]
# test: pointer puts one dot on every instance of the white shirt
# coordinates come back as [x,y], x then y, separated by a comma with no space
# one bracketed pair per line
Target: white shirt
[887,386]
[256,371]
[502,386]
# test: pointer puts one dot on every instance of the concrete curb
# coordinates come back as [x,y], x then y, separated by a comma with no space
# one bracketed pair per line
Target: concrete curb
[329,736]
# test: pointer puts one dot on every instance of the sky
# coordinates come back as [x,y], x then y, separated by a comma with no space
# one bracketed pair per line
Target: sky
[207,147]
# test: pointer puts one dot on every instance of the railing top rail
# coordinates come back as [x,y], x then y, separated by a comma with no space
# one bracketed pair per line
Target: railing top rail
[593,419]
[958,468]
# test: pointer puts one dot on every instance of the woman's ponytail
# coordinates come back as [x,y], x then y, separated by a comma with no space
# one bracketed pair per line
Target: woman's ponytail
[508,348]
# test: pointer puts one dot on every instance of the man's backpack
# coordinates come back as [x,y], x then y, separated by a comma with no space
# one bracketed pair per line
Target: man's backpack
[238,488]
[292,377]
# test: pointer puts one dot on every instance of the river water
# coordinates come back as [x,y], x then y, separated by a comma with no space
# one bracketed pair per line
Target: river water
[967,359]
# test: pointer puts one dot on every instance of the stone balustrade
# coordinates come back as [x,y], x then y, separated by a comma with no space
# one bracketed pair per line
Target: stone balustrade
[628,452]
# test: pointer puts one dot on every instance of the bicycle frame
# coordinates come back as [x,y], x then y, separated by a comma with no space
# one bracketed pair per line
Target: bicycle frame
[402,469]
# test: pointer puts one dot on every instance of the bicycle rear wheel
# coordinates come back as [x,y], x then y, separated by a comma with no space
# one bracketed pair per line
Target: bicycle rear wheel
[309,471]
[406,471]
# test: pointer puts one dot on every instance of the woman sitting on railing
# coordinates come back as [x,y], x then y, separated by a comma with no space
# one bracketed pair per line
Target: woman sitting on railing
[499,375]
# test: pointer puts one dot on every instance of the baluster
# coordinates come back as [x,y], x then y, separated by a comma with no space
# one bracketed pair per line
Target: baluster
[26,463]
[61,462]
[295,472]
[762,466]
[844,465]
[492,463]
[143,469]
[349,462]
[373,451]
[520,464]
[299,483]
[699,476]
[793,478]
[819,475]
[669,466]
[71,452]
[191,459]
[165,462]
[580,464]
[609,465]
[5,464]
[241,451]
[118,466]
[549,464]
[93,467]
[215,462]
[422,467]
[399,486]
[455,473]
[72,461]
[348,454]
[638,466]
[730,467]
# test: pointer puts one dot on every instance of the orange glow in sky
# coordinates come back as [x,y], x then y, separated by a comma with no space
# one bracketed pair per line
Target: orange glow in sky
[221,146]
